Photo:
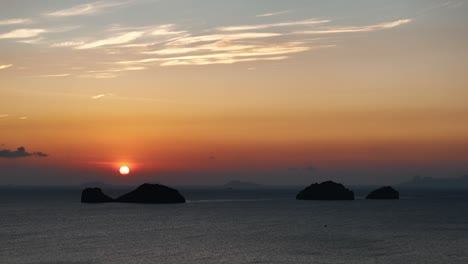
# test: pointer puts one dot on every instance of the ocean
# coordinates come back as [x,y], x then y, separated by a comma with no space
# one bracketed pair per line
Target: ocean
[51,226]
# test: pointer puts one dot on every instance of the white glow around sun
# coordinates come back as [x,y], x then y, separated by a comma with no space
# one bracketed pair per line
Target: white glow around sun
[124,170]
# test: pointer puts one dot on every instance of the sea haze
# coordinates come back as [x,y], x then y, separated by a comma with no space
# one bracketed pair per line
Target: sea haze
[50,225]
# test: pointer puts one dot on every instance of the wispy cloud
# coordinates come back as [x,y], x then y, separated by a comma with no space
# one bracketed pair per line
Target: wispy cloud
[165,30]
[67,44]
[220,60]
[99,75]
[354,29]
[274,13]
[224,37]
[87,9]
[53,75]
[237,54]
[120,39]
[99,96]
[5,66]
[23,33]
[31,41]
[15,21]
[4,116]
[272,25]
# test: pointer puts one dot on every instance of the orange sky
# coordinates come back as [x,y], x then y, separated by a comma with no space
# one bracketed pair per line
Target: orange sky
[337,89]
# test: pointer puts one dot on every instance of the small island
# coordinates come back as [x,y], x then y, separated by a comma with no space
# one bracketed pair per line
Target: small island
[94,195]
[145,194]
[152,193]
[328,190]
[384,193]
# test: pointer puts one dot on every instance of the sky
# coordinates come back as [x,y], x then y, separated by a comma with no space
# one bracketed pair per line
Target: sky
[195,92]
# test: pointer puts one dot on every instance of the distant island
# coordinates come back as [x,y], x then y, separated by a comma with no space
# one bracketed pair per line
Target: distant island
[328,190]
[146,194]
[384,193]
[419,182]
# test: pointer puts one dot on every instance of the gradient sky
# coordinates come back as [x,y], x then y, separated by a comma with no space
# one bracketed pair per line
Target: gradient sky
[207,91]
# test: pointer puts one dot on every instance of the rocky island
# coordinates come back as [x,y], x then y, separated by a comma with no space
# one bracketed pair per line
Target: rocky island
[152,193]
[384,193]
[146,194]
[94,195]
[328,190]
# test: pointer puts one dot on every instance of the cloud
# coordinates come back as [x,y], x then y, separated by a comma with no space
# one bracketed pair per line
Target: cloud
[354,29]
[223,53]
[23,33]
[99,96]
[3,116]
[100,75]
[274,13]
[272,25]
[67,44]
[220,60]
[192,58]
[120,39]
[165,30]
[223,37]
[31,41]
[53,75]
[87,9]
[20,153]
[5,66]
[15,21]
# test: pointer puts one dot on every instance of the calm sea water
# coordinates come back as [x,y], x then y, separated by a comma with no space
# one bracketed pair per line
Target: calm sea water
[52,226]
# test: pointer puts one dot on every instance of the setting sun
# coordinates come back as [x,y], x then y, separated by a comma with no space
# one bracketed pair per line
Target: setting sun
[124,170]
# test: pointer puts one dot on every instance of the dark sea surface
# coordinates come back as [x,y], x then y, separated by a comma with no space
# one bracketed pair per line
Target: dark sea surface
[228,226]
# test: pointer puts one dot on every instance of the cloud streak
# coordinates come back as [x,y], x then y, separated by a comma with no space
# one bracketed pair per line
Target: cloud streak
[23,33]
[67,44]
[120,39]
[53,75]
[273,25]
[355,29]
[15,21]
[5,66]
[226,54]
[274,13]
[20,153]
[99,96]
[86,9]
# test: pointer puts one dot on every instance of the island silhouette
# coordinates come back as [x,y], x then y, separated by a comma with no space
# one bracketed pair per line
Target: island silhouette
[384,193]
[328,190]
[146,193]
[159,194]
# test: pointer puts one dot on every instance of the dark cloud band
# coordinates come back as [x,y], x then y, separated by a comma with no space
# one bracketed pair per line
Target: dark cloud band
[20,153]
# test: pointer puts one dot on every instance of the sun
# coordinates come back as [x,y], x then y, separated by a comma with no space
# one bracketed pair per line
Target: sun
[124,170]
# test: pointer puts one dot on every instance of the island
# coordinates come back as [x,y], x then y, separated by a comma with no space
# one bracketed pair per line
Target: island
[152,193]
[384,193]
[145,194]
[328,190]
[94,195]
